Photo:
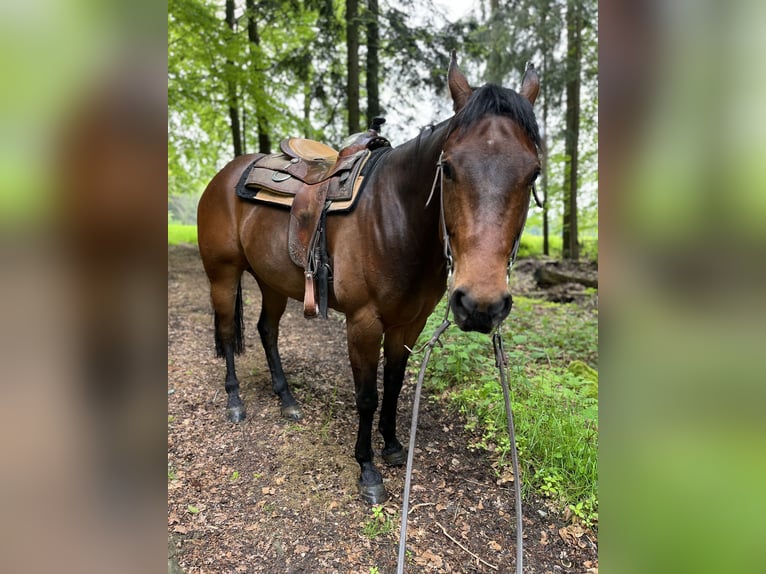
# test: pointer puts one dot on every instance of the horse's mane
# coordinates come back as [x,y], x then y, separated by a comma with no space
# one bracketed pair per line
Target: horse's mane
[491,99]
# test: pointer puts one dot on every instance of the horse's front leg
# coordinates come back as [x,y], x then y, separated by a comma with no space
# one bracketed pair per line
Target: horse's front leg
[364,335]
[396,355]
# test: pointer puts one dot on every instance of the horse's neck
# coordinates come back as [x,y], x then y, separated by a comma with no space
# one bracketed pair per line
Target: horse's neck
[419,157]
[411,170]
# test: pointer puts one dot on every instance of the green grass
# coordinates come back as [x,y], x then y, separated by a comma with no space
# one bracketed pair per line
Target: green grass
[532,246]
[378,524]
[552,351]
[180,233]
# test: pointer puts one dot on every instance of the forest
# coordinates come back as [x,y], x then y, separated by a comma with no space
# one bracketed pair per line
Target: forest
[244,75]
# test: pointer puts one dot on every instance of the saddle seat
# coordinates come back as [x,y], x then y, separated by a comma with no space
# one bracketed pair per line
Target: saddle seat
[308,150]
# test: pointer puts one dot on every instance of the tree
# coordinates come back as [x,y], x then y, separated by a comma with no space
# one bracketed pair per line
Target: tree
[231,85]
[570,247]
[373,63]
[352,64]
[262,123]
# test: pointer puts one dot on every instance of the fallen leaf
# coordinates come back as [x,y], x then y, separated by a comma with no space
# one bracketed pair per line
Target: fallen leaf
[428,557]
[495,546]
[544,538]
[300,549]
[571,535]
[180,529]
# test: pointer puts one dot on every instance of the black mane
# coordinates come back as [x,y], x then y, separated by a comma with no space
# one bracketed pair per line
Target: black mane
[491,99]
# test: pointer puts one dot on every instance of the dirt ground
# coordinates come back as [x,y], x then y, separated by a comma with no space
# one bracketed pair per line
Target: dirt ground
[272,496]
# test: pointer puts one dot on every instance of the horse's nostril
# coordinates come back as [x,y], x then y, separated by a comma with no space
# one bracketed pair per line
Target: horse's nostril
[462,303]
[502,307]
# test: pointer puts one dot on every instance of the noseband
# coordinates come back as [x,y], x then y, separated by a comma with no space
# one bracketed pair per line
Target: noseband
[438,177]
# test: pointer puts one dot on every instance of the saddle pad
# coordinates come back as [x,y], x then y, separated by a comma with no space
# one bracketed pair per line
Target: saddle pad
[245,190]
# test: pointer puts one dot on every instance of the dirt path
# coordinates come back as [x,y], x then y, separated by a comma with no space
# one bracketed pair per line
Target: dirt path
[270,496]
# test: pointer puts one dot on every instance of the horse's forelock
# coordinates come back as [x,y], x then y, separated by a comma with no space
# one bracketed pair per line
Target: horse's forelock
[491,99]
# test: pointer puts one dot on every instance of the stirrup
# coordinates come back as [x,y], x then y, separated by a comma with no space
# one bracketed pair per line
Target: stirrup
[309,298]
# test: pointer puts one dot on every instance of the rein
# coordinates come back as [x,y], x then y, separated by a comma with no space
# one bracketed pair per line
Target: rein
[501,361]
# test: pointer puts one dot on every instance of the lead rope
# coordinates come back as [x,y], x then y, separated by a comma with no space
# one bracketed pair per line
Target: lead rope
[413,429]
[501,361]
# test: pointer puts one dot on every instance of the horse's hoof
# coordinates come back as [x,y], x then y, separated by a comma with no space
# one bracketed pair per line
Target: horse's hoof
[373,493]
[236,414]
[396,457]
[292,412]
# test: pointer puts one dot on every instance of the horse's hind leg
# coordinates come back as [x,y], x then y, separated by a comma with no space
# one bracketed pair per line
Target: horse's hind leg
[226,295]
[268,327]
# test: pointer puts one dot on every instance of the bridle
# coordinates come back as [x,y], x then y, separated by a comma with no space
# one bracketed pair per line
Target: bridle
[439,177]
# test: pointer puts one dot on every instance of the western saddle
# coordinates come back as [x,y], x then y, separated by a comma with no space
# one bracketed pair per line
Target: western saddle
[311,178]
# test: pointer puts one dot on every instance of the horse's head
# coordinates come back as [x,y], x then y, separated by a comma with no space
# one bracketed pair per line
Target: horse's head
[489,162]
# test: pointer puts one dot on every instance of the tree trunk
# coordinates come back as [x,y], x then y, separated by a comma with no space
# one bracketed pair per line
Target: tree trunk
[373,64]
[352,64]
[261,122]
[544,182]
[231,87]
[574,56]
[497,42]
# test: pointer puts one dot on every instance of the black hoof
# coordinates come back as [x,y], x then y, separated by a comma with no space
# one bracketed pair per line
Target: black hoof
[396,457]
[373,493]
[236,414]
[292,412]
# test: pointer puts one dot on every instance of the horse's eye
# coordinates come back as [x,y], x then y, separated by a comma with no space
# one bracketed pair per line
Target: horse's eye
[447,170]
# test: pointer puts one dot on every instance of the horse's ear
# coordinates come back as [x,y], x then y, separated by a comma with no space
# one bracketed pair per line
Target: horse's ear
[458,85]
[530,83]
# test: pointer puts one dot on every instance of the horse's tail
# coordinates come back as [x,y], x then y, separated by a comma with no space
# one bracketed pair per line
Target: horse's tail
[239,327]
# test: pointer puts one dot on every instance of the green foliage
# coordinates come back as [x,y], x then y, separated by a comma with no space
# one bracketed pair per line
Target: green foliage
[552,351]
[378,524]
[179,233]
[532,246]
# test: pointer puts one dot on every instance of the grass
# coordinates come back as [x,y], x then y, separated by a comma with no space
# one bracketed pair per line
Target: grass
[378,524]
[180,233]
[532,246]
[552,351]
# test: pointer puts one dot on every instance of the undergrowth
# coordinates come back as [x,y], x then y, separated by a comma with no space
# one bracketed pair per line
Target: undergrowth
[179,233]
[532,246]
[552,351]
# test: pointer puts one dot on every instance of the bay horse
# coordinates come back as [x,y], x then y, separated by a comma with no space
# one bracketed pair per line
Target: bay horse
[388,255]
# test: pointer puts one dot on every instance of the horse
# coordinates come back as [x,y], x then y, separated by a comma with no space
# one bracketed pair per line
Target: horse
[393,256]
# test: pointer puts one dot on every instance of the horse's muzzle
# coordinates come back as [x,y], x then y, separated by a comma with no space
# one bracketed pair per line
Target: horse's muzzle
[472,315]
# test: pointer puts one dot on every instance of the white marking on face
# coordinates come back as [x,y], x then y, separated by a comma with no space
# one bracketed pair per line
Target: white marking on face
[490,142]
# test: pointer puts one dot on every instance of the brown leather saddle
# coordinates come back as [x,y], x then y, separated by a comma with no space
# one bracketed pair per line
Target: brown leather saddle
[311,179]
